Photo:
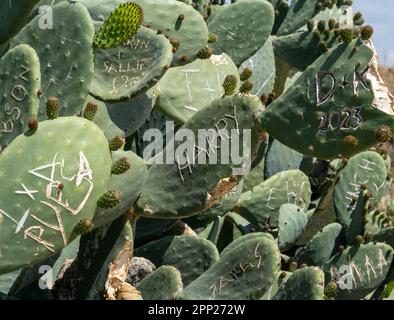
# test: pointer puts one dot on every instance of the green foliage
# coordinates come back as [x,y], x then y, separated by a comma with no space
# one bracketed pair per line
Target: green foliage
[194,149]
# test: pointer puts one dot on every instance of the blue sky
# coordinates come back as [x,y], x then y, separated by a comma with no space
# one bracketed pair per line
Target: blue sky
[380,14]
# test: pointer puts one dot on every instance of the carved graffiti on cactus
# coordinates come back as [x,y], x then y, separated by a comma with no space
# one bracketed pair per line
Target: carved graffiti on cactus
[356,183]
[294,196]
[55,199]
[19,94]
[357,274]
[347,119]
[200,153]
[217,287]
[325,93]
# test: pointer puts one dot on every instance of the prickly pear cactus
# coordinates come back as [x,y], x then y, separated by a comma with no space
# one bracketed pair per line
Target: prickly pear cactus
[21,80]
[49,193]
[65,53]
[245,272]
[13,15]
[187,89]
[190,255]
[303,284]
[240,40]
[261,204]
[359,269]
[132,67]
[165,283]
[184,25]
[185,187]
[330,107]
[364,171]
[193,149]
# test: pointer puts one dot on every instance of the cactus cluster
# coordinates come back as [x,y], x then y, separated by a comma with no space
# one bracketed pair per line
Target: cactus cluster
[117,121]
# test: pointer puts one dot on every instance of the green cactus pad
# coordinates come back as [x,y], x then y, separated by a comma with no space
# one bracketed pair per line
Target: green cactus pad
[377,221]
[292,222]
[245,272]
[320,248]
[280,158]
[21,80]
[132,67]
[262,63]
[129,184]
[179,190]
[187,89]
[192,32]
[103,120]
[165,283]
[152,229]
[226,204]
[65,54]
[303,284]
[299,12]
[121,25]
[359,269]
[261,205]
[385,235]
[322,113]
[365,170]
[49,192]
[13,15]
[302,48]
[242,28]
[213,230]
[129,116]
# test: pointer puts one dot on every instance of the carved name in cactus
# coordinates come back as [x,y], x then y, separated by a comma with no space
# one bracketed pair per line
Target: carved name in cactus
[132,67]
[20,79]
[53,174]
[19,94]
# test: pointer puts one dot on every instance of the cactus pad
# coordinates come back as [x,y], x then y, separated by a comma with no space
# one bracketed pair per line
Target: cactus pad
[49,193]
